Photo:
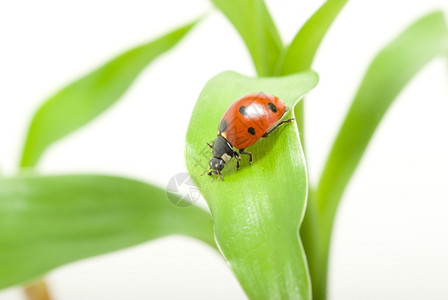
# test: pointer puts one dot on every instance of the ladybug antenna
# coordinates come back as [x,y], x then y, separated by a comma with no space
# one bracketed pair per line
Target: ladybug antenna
[205,171]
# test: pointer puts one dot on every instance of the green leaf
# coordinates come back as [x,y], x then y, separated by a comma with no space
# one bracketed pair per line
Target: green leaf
[252,20]
[49,221]
[388,74]
[258,209]
[83,100]
[299,55]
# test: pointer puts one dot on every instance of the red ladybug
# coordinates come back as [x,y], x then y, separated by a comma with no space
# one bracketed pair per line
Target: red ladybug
[246,121]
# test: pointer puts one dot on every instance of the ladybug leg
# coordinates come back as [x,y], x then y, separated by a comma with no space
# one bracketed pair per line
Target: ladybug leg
[219,175]
[211,146]
[238,158]
[277,126]
[247,153]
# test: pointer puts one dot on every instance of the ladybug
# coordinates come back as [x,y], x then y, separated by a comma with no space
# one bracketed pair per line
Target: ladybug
[248,119]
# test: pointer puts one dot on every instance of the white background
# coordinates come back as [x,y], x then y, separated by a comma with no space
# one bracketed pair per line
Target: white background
[390,238]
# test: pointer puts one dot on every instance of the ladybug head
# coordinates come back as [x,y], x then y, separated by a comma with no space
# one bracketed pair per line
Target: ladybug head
[222,153]
[216,164]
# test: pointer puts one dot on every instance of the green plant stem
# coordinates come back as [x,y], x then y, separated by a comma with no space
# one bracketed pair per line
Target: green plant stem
[316,236]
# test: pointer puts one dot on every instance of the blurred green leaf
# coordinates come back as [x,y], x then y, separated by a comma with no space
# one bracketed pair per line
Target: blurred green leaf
[389,72]
[258,209]
[84,99]
[252,20]
[49,221]
[299,55]
[387,75]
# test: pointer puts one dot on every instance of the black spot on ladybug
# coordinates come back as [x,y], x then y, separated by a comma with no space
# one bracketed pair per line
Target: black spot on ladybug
[222,126]
[251,130]
[272,107]
[242,110]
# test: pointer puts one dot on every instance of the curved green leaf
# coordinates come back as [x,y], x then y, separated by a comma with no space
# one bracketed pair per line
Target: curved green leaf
[49,221]
[86,98]
[258,209]
[299,55]
[387,75]
[252,20]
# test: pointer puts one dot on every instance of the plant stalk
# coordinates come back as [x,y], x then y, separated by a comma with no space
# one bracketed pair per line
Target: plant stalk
[316,238]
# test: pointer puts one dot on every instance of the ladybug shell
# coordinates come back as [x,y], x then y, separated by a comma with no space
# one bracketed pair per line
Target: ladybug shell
[249,118]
